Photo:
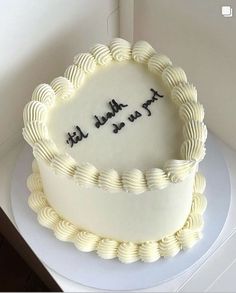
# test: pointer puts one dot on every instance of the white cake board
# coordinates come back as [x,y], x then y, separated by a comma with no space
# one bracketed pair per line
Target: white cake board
[90,270]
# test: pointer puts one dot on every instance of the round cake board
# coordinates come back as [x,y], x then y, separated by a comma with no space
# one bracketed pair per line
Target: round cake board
[90,270]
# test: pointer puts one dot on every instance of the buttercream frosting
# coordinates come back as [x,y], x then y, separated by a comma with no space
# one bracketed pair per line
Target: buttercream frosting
[158,62]
[34,111]
[101,53]
[75,74]
[62,87]
[183,93]
[44,94]
[142,51]
[85,61]
[120,49]
[172,76]
[126,252]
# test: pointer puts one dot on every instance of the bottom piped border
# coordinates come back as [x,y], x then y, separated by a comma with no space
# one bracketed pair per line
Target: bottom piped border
[126,252]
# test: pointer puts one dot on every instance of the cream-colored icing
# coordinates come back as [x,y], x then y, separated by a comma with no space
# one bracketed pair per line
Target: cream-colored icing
[35,131]
[193,129]
[160,188]
[101,53]
[127,252]
[85,61]
[142,51]
[75,75]
[199,183]
[183,93]
[191,111]
[62,87]
[44,94]
[45,150]
[120,49]
[34,111]
[158,62]
[172,76]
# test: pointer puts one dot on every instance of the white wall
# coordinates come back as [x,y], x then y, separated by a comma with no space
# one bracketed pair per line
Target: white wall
[38,39]
[196,37]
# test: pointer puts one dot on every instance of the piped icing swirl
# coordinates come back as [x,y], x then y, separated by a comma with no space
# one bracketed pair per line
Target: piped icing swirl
[195,130]
[45,94]
[65,231]
[110,180]
[127,252]
[45,150]
[199,203]
[149,251]
[156,179]
[62,87]
[107,248]
[63,164]
[75,75]
[101,53]
[86,175]
[85,61]
[142,51]
[34,131]
[34,182]
[47,217]
[183,93]
[134,181]
[187,238]
[173,76]
[169,246]
[86,241]
[178,170]
[157,63]
[37,201]
[192,149]
[191,111]
[120,49]
[199,183]
[34,111]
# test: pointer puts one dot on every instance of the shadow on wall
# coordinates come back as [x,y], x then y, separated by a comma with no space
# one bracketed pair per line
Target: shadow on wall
[46,61]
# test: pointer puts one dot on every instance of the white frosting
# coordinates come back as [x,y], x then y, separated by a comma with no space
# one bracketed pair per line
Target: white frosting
[45,150]
[183,93]
[120,49]
[85,61]
[142,51]
[199,183]
[62,87]
[44,94]
[191,111]
[35,131]
[101,53]
[140,162]
[75,74]
[157,63]
[34,111]
[127,252]
[173,76]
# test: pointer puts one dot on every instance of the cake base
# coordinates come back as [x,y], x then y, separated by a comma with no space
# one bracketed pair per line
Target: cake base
[66,260]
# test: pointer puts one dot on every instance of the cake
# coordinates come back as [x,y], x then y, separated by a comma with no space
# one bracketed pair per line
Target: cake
[117,141]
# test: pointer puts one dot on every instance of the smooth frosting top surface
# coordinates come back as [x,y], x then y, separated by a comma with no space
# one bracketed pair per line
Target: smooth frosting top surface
[147,142]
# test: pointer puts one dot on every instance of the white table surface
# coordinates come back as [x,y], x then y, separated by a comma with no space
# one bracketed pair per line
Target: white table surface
[216,274]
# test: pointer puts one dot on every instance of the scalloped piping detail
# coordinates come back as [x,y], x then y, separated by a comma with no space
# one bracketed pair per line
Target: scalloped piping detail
[182,93]
[126,252]
[85,61]
[142,51]
[101,53]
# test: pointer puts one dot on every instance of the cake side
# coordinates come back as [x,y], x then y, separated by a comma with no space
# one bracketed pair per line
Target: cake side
[107,248]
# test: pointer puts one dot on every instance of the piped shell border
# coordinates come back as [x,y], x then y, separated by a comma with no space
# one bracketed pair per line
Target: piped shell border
[126,252]
[183,94]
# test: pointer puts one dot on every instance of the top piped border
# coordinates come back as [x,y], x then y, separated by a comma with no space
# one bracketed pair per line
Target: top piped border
[183,94]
